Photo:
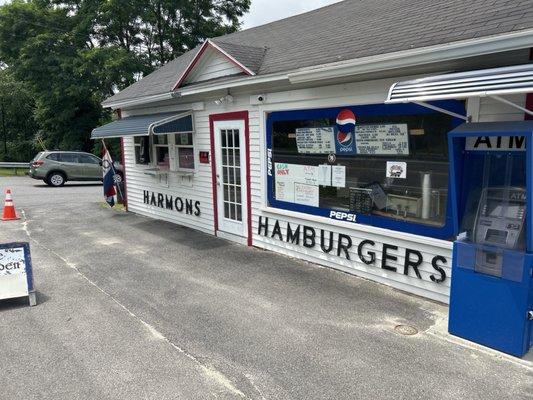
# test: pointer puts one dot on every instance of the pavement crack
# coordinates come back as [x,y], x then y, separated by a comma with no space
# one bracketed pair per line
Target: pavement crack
[211,373]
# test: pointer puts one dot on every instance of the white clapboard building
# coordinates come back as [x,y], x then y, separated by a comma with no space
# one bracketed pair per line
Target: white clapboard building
[312,136]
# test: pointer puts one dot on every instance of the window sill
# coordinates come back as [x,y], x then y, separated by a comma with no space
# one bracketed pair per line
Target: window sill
[444,244]
[184,172]
[155,171]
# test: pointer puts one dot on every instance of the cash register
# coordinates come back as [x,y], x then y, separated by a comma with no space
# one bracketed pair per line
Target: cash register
[491,296]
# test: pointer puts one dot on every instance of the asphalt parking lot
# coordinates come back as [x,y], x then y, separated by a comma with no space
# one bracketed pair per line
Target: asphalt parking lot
[132,308]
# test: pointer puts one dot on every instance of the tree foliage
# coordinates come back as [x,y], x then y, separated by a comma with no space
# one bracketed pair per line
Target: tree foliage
[17,125]
[70,55]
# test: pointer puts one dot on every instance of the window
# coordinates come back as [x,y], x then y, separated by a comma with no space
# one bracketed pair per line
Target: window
[382,165]
[161,151]
[68,157]
[52,156]
[142,149]
[184,150]
[87,159]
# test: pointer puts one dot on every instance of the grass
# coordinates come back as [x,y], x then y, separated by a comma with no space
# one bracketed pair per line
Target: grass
[117,207]
[13,171]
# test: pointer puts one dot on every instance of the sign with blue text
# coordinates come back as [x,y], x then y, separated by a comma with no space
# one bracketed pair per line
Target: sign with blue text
[16,275]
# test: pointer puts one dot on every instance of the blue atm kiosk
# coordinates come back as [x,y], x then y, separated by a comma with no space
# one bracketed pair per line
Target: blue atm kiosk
[491,183]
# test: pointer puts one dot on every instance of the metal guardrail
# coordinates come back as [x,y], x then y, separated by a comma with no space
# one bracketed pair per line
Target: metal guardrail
[18,165]
[15,166]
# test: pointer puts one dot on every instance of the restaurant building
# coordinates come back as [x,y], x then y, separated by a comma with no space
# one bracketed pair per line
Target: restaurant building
[324,136]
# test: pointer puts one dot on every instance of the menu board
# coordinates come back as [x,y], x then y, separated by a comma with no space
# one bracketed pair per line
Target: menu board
[360,200]
[386,139]
[315,140]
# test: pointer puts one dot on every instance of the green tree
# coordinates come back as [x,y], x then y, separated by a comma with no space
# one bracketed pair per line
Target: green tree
[17,126]
[73,54]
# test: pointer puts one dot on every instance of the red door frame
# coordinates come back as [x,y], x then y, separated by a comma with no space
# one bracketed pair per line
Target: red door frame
[232,116]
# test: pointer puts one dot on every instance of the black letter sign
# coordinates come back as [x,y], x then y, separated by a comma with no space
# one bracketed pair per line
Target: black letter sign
[344,247]
[412,263]
[370,253]
[385,257]
[438,268]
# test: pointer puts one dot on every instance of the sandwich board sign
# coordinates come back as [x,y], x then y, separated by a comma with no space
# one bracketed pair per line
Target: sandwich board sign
[16,275]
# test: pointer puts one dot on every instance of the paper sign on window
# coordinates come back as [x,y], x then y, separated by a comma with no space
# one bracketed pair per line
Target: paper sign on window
[306,194]
[338,176]
[315,140]
[396,169]
[382,139]
[297,183]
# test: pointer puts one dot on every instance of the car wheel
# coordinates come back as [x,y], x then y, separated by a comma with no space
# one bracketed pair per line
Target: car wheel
[56,179]
[118,178]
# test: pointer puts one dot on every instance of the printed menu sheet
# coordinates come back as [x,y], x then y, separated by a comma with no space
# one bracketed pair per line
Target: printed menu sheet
[382,139]
[315,140]
[338,176]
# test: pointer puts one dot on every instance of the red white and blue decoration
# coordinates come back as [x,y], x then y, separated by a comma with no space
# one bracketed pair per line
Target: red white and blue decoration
[345,132]
[109,174]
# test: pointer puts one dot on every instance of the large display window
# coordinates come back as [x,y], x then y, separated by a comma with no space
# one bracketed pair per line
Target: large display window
[381,165]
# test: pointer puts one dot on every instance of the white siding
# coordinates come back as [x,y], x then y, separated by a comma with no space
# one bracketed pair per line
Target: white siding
[331,96]
[200,189]
[212,65]
[491,110]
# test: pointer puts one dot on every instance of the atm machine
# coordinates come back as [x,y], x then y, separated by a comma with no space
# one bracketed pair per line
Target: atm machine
[491,179]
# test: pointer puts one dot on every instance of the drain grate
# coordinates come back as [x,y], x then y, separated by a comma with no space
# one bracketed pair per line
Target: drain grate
[406,330]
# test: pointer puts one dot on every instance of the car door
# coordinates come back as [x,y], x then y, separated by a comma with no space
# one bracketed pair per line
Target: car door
[69,164]
[90,167]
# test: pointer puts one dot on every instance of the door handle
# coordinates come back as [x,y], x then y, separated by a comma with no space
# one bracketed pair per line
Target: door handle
[218,179]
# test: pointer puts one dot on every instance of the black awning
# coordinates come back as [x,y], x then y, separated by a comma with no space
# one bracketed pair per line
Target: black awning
[138,125]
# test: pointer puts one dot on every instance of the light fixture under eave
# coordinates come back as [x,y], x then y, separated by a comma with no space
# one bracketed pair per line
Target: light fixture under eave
[227,99]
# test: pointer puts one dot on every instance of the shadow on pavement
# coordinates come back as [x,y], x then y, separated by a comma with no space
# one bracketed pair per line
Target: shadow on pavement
[179,234]
[21,302]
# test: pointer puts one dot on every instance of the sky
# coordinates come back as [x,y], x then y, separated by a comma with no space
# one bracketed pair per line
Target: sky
[264,11]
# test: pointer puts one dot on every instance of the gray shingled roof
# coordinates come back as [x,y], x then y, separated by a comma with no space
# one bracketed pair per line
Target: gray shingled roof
[249,56]
[348,30]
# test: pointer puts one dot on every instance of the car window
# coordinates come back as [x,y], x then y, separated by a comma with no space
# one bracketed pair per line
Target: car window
[88,159]
[53,156]
[39,154]
[68,157]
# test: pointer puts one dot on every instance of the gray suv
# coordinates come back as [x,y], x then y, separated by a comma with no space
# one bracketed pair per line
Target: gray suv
[57,167]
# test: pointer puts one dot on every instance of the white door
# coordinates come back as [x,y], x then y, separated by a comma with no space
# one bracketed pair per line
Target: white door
[231,177]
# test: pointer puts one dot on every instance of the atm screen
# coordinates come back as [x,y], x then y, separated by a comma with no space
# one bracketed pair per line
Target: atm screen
[495,208]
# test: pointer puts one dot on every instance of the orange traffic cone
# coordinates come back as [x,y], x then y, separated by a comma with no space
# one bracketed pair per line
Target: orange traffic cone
[9,209]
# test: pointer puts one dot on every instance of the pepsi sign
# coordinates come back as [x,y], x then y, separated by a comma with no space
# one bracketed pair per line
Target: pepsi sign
[345,133]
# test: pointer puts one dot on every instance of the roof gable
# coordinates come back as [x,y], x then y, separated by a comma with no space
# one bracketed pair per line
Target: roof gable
[218,60]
